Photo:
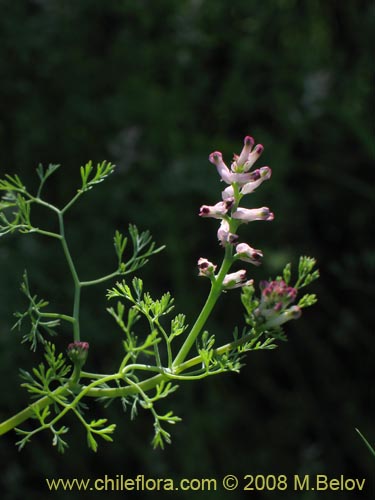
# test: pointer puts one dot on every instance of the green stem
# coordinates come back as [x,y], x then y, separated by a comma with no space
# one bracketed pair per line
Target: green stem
[64,317]
[100,280]
[47,233]
[28,412]
[71,202]
[74,379]
[167,342]
[91,391]
[216,288]
[77,284]
[43,203]
[152,382]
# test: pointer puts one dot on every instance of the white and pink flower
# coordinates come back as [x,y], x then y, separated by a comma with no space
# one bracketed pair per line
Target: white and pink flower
[248,155]
[217,211]
[224,235]
[237,279]
[206,268]
[249,254]
[251,214]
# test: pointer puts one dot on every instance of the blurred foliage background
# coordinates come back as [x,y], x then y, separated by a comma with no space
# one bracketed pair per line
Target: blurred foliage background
[155,86]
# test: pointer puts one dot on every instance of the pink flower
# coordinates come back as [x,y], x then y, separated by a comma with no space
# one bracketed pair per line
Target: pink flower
[248,254]
[241,164]
[235,280]
[264,174]
[217,159]
[246,150]
[227,193]
[251,214]
[253,156]
[224,236]
[248,156]
[217,211]
[244,178]
[206,268]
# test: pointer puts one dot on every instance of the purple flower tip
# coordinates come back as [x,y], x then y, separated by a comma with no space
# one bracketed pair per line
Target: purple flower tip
[259,148]
[204,210]
[206,268]
[249,141]
[255,175]
[215,157]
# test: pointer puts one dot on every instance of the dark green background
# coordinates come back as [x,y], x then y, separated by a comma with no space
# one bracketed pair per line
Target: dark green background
[155,86]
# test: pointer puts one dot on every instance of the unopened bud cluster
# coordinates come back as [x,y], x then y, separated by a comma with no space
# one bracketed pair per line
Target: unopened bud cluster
[77,352]
[274,304]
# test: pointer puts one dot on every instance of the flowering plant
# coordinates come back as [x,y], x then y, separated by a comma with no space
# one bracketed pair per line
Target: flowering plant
[151,364]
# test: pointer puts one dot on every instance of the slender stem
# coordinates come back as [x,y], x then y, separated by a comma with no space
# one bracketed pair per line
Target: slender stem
[152,382]
[100,280]
[167,342]
[28,412]
[84,391]
[47,233]
[93,392]
[212,298]
[74,379]
[72,201]
[77,284]
[43,203]
[93,375]
[64,317]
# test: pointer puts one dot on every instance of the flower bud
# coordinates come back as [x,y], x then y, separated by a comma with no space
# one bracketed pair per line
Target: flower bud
[77,352]
[277,290]
[276,296]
